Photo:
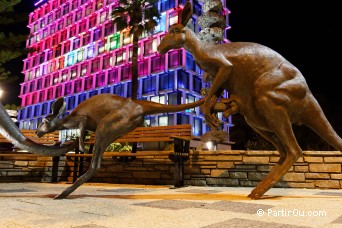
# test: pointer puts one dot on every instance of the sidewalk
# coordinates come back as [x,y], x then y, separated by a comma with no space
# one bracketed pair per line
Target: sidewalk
[130,206]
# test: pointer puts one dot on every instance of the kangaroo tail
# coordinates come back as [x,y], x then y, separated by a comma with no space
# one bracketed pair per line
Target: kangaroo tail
[317,121]
[150,107]
[11,132]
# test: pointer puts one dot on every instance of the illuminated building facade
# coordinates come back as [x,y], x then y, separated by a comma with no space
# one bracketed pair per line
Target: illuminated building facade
[78,53]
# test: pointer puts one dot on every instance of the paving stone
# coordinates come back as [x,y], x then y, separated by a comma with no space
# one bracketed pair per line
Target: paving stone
[338,220]
[239,223]
[238,207]
[172,204]
[199,191]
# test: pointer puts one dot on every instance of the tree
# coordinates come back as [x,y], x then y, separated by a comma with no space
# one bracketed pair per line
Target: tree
[138,16]
[11,45]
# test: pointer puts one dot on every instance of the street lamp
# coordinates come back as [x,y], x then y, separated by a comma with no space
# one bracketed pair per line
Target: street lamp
[1,92]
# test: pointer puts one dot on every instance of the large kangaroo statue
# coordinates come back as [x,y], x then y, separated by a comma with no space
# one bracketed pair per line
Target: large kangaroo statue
[110,116]
[268,90]
[11,132]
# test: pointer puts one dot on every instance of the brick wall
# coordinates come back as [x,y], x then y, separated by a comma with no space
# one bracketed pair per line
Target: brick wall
[315,169]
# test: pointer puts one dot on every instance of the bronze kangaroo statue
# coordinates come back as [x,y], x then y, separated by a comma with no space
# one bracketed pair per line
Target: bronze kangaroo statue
[110,117]
[264,87]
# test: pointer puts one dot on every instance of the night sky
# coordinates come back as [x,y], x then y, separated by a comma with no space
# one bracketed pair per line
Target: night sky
[304,32]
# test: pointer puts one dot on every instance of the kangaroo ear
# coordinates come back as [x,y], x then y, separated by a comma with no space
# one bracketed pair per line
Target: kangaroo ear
[186,13]
[45,120]
[58,107]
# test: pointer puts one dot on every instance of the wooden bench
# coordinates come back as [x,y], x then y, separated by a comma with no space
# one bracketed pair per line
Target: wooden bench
[180,135]
[8,150]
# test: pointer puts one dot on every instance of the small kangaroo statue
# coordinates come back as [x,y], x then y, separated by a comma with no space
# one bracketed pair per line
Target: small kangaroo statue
[110,117]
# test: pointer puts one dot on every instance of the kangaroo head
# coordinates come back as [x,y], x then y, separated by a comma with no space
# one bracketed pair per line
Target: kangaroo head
[50,122]
[176,36]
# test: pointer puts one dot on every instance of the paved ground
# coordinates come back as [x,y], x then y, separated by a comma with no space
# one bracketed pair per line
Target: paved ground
[129,206]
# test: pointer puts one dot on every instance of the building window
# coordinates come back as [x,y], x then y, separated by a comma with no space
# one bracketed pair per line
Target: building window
[105,90]
[66,8]
[103,16]
[175,58]
[95,65]
[197,8]
[71,103]
[120,57]
[197,84]
[81,98]
[149,85]
[49,19]
[78,15]
[161,24]
[166,4]
[113,76]
[101,47]
[183,80]
[67,88]
[55,78]
[126,38]
[68,20]
[109,29]
[150,47]
[76,43]
[175,98]
[183,118]
[86,39]
[64,76]
[90,51]
[80,54]
[143,68]
[119,90]
[92,21]
[190,63]
[78,86]
[47,81]
[99,4]
[100,80]
[159,99]
[88,9]
[74,4]
[57,14]
[58,91]
[107,61]
[89,83]
[97,34]
[84,69]
[82,27]
[60,24]
[190,99]
[114,41]
[45,33]
[66,47]
[39,84]
[58,51]
[45,108]
[157,63]
[50,94]
[72,31]
[126,72]
[52,28]
[197,126]
[74,71]
[173,18]
[166,120]
[166,81]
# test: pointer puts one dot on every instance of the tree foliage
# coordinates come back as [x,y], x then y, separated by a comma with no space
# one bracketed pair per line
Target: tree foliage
[137,16]
[11,42]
